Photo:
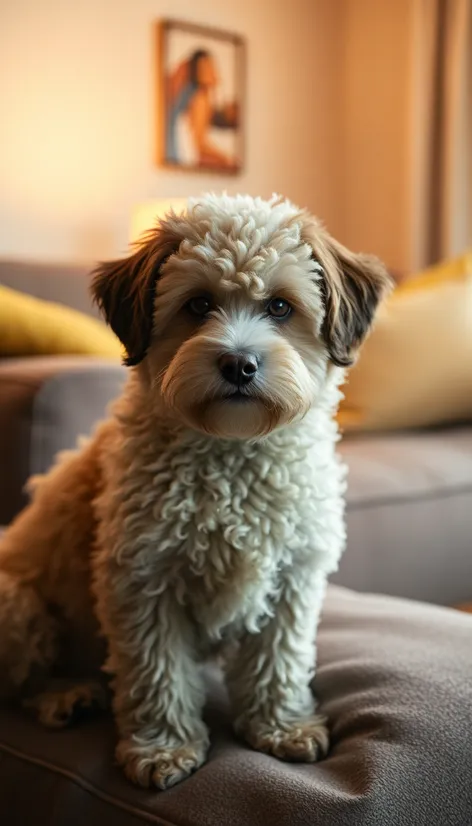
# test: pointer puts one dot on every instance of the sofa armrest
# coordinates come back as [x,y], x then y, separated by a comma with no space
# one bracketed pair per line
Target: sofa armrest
[45,403]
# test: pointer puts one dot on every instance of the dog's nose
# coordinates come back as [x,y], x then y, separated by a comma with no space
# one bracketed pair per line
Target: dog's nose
[238,369]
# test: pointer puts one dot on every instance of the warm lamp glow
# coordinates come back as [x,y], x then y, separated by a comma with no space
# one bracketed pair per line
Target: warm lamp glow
[145,216]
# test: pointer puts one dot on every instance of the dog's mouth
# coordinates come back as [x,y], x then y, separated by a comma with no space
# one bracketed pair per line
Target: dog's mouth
[237,396]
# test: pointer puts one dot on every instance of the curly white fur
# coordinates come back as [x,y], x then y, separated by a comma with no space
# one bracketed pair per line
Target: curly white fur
[191,519]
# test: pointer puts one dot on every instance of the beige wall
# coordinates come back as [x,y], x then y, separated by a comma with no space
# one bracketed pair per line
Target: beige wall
[398,197]
[76,96]
[376,128]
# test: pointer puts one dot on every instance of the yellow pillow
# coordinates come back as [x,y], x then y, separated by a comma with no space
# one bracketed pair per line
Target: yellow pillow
[416,367]
[29,326]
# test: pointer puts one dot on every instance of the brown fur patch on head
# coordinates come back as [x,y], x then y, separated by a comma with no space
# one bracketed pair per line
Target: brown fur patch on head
[352,286]
[124,290]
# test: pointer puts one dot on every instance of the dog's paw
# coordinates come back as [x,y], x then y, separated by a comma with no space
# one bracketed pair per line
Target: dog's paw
[58,709]
[304,741]
[157,767]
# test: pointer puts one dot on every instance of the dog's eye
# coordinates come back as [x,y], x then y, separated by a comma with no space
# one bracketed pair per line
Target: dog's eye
[279,308]
[199,306]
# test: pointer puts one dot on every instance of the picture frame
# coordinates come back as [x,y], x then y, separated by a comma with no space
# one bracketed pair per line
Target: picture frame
[201,98]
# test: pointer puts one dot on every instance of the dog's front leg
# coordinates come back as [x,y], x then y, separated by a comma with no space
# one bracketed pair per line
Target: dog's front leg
[269,680]
[158,690]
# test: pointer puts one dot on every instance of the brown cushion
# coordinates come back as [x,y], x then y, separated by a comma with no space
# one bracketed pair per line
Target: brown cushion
[395,679]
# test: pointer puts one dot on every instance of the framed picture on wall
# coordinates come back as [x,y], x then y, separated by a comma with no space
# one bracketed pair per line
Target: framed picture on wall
[201,75]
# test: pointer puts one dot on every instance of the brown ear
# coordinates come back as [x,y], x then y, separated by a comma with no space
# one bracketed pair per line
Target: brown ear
[352,285]
[352,291]
[124,291]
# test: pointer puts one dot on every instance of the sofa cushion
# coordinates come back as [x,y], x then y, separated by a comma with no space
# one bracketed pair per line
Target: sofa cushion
[416,368]
[409,514]
[68,284]
[394,678]
[31,326]
[45,403]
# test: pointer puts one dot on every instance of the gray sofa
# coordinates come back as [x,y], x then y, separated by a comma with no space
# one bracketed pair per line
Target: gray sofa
[409,504]
[394,676]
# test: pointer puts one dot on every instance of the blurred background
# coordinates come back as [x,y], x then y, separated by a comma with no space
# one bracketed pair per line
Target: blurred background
[360,110]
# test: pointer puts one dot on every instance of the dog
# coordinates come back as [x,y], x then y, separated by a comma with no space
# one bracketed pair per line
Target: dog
[206,513]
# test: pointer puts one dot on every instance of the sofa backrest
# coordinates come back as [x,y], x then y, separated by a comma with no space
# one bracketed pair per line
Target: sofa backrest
[63,283]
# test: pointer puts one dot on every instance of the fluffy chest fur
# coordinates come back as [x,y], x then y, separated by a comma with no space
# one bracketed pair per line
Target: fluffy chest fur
[222,522]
